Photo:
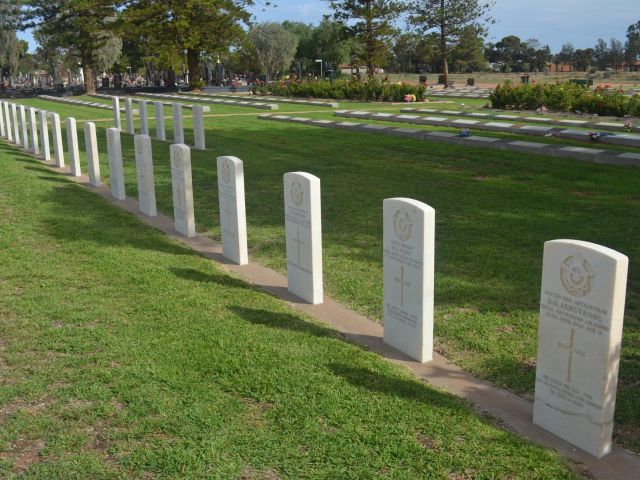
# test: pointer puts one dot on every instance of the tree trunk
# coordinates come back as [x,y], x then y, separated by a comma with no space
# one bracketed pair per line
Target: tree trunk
[443,45]
[193,64]
[89,78]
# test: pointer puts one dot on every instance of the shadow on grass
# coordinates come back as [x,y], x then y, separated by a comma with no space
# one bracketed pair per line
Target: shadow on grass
[283,321]
[76,214]
[405,388]
[193,275]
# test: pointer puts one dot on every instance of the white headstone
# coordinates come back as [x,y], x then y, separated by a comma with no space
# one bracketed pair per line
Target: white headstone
[93,160]
[116,170]
[128,110]
[159,111]
[56,132]
[24,130]
[2,130]
[581,314]
[8,123]
[182,190]
[178,127]
[144,117]
[44,136]
[115,102]
[16,125]
[198,127]
[408,258]
[33,123]
[233,219]
[144,170]
[303,229]
[72,146]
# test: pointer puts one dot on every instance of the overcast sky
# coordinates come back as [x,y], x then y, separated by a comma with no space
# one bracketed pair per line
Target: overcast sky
[553,22]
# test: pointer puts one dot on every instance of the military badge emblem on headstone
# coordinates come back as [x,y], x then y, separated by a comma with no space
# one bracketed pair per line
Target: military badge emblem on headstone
[297,194]
[225,171]
[577,275]
[403,225]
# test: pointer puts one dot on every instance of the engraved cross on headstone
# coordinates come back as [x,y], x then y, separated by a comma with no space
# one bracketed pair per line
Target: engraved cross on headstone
[571,348]
[180,194]
[299,242]
[227,211]
[403,283]
[143,178]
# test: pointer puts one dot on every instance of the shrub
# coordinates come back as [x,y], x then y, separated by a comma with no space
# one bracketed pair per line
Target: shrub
[371,90]
[565,97]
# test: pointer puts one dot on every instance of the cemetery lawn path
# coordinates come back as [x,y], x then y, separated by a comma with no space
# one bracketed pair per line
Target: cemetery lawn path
[494,211]
[125,355]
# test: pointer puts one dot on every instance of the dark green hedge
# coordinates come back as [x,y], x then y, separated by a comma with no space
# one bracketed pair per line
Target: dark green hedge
[371,90]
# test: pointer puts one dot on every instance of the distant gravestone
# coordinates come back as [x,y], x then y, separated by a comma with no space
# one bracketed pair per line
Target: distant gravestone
[93,160]
[303,236]
[116,170]
[581,315]
[24,130]
[44,136]
[198,127]
[72,145]
[144,170]
[128,110]
[178,126]
[33,123]
[233,221]
[16,125]
[408,258]
[56,132]
[2,127]
[115,102]
[159,111]
[8,124]
[182,190]
[144,117]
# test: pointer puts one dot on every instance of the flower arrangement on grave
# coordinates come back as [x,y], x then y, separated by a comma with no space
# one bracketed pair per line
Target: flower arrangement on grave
[565,97]
[627,125]
[410,98]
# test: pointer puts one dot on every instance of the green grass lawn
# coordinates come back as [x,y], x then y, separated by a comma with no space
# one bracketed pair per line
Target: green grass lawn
[125,355]
[494,211]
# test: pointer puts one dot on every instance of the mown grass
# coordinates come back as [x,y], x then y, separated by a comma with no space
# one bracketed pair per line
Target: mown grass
[494,210]
[126,355]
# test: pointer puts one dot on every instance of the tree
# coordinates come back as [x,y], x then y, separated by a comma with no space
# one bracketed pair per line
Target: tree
[189,27]
[468,54]
[632,46]
[536,55]
[408,54]
[567,55]
[584,58]
[328,43]
[371,24]
[107,55]
[81,26]
[509,52]
[616,52]
[601,54]
[12,51]
[450,18]
[273,46]
[305,50]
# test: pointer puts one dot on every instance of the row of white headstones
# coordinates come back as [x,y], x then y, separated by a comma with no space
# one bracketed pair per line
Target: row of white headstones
[582,294]
[178,121]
